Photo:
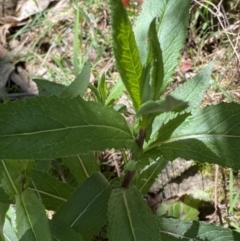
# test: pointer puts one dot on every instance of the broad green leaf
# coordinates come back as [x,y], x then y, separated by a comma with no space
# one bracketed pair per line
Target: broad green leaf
[61,232]
[10,179]
[186,208]
[167,104]
[48,88]
[86,210]
[197,231]
[31,218]
[4,198]
[172,25]
[51,191]
[43,165]
[211,134]
[125,51]
[115,92]
[79,85]
[46,128]
[15,175]
[148,175]
[82,166]
[152,74]
[193,90]
[130,218]
[161,125]
[3,211]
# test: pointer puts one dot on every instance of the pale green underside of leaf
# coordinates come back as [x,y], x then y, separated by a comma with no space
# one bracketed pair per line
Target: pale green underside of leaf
[197,231]
[82,166]
[9,229]
[52,192]
[86,210]
[130,218]
[211,134]
[125,51]
[173,21]
[50,127]
[3,211]
[31,218]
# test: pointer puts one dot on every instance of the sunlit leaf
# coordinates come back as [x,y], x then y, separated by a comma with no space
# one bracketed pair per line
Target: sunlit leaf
[152,74]
[191,92]
[211,134]
[115,92]
[172,17]
[125,50]
[185,208]
[3,211]
[175,229]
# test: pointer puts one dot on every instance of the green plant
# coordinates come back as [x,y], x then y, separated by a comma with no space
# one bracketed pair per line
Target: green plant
[60,124]
[233,198]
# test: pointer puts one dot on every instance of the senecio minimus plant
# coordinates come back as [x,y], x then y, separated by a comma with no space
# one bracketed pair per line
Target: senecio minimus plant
[60,124]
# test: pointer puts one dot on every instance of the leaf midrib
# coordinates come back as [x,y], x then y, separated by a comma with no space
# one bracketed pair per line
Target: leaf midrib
[128,214]
[88,206]
[28,217]
[198,136]
[49,194]
[63,129]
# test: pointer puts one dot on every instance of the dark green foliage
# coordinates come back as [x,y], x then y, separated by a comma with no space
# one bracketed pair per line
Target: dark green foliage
[60,124]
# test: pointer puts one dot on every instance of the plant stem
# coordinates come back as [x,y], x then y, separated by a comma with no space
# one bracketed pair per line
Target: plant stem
[128,179]
[95,91]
